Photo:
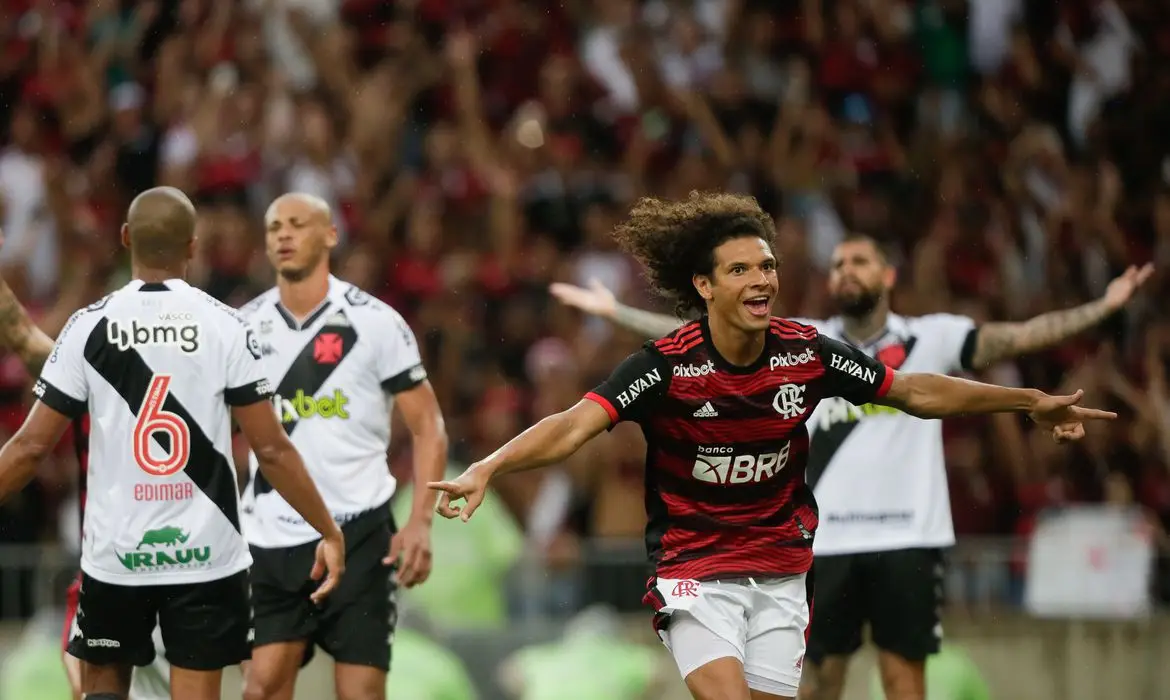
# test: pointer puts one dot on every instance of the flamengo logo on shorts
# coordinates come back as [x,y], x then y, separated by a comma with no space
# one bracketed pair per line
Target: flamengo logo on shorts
[718,465]
[163,492]
[685,589]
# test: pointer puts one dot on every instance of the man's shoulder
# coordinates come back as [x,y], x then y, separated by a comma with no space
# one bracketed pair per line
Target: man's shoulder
[678,342]
[213,309]
[259,304]
[934,323]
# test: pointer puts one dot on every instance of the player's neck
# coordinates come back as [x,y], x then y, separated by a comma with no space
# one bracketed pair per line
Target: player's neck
[739,347]
[866,327]
[157,274]
[302,297]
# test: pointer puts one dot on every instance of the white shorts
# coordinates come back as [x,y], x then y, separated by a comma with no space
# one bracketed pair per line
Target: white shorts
[760,622]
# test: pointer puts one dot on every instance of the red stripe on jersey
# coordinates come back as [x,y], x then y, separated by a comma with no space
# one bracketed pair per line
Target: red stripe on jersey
[887,382]
[706,387]
[790,330]
[683,340]
[604,403]
[732,430]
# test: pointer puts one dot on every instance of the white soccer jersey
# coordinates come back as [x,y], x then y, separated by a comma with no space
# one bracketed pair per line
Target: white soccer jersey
[878,474]
[157,365]
[335,375]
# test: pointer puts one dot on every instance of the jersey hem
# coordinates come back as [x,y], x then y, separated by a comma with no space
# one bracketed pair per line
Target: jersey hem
[885,547]
[243,563]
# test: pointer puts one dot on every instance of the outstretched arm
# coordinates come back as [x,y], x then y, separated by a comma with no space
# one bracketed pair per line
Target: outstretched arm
[550,441]
[940,396]
[597,300]
[999,341]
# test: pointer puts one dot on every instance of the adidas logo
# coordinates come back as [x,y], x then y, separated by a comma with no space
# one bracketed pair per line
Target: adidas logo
[706,411]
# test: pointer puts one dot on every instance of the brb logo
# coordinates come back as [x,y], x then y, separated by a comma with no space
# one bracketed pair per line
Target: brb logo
[719,465]
[789,401]
[171,330]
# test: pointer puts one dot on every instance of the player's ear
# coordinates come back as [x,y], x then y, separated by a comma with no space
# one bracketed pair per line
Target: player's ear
[331,237]
[125,236]
[703,284]
[890,276]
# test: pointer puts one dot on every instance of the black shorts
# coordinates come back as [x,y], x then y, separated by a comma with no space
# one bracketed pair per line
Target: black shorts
[355,622]
[204,625]
[899,593]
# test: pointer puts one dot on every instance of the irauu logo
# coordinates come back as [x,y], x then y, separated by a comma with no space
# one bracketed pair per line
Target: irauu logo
[165,553]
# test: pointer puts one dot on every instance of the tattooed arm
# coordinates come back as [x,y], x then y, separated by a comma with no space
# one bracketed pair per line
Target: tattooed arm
[647,323]
[19,334]
[599,301]
[998,341]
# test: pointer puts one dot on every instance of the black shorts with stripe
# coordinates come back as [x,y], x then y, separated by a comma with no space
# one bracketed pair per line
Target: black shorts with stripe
[355,624]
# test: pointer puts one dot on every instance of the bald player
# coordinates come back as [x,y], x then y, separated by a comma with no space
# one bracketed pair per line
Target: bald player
[338,360]
[157,365]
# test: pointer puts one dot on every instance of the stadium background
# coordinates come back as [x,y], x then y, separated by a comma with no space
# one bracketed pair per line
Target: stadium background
[1012,154]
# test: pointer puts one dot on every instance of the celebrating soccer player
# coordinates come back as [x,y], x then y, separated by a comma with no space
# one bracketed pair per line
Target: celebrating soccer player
[723,402]
[878,475]
[156,365]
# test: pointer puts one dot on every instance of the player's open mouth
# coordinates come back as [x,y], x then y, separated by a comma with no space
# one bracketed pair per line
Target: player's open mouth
[758,306]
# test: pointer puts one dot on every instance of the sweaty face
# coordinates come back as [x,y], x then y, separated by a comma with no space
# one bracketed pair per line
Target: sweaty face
[298,239]
[860,277]
[743,284]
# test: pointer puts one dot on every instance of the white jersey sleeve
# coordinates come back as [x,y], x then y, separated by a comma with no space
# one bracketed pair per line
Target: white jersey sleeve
[63,385]
[399,364]
[247,382]
[953,337]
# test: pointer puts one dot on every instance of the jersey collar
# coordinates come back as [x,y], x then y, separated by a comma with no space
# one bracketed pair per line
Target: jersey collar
[164,286]
[317,313]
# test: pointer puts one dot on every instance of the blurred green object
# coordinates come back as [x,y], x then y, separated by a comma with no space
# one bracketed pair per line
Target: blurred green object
[470,563]
[35,672]
[950,675]
[420,669]
[592,661]
[593,669]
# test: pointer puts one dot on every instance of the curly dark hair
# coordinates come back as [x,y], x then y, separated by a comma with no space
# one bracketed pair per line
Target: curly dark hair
[675,241]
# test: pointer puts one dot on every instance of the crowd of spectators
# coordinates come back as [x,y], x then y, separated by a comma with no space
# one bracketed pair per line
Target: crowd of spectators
[1012,153]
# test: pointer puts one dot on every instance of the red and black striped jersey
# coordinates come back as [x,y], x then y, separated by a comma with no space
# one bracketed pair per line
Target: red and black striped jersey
[727,445]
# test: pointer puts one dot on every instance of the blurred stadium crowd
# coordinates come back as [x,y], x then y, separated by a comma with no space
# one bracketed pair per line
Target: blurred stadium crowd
[1013,155]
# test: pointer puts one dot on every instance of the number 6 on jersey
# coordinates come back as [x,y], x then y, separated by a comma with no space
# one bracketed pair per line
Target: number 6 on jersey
[153,419]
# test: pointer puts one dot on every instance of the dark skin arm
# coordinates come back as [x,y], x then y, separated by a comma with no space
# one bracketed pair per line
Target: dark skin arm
[283,467]
[424,419]
[36,438]
[999,341]
[939,396]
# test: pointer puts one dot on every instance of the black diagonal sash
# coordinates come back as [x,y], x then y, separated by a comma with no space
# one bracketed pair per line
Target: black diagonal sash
[130,376]
[308,375]
[826,442]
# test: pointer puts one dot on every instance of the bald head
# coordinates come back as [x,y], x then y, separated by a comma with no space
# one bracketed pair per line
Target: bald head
[309,204]
[160,226]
